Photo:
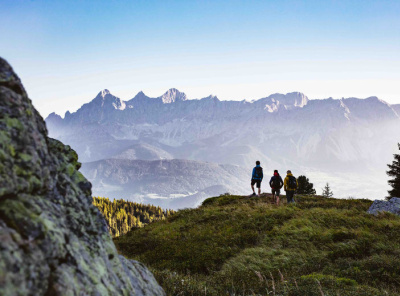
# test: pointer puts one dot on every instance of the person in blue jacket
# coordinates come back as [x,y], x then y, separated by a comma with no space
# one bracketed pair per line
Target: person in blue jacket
[256,178]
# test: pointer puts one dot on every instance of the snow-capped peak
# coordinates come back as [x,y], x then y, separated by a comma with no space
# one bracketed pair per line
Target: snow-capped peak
[278,101]
[173,95]
[119,105]
[104,92]
[105,98]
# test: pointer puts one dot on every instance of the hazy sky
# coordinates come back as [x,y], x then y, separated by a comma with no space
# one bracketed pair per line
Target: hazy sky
[67,51]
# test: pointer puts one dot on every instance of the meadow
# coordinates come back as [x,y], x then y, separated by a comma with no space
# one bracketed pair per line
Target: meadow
[236,245]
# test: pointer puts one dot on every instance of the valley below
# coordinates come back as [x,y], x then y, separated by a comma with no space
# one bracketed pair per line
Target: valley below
[174,152]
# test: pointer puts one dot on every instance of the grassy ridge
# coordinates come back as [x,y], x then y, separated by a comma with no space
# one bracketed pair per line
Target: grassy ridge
[234,245]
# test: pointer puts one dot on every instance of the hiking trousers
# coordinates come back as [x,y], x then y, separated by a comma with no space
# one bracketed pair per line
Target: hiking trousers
[289,196]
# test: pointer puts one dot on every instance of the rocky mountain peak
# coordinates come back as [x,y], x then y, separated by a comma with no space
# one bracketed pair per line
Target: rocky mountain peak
[211,97]
[371,108]
[173,95]
[103,93]
[105,99]
[279,101]
[54,116]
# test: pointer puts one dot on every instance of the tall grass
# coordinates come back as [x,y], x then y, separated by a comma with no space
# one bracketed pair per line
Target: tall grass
[234,245]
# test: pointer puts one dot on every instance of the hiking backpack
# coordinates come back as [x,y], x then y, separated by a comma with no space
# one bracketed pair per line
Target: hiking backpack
[292,184]
[258,173]
[277,182]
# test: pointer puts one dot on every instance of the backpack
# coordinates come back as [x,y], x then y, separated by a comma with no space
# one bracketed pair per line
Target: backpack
[292,184]
[258,173]
[276,183]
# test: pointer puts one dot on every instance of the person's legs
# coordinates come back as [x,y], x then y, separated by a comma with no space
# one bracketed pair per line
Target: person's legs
[258,183]
[252,186]
[277,193]
[289,196]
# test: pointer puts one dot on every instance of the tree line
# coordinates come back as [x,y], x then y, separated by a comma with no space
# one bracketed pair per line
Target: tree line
[122,216]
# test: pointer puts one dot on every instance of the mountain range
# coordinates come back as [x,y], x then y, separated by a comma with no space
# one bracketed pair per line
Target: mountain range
[346,142]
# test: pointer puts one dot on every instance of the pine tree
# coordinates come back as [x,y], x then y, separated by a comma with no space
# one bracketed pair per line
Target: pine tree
[394,172]
[304,186]
[121,216]
[326,191]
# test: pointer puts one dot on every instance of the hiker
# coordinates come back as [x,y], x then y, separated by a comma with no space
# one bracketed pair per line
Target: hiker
[256,178]
[290,186]
[276,184]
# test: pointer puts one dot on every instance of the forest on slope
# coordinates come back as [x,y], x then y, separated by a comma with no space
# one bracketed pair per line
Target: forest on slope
[235,245]
[122,216]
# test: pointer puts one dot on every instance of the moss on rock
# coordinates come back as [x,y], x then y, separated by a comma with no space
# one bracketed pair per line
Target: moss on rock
[53,241]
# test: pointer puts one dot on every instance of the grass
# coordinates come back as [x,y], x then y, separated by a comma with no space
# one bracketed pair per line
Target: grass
[234,245]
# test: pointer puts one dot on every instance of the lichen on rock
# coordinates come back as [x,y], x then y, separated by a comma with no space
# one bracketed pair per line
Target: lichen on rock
[53,241]
[392,206]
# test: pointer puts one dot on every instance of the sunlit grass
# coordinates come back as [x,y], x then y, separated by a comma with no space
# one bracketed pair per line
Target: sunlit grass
[234,245]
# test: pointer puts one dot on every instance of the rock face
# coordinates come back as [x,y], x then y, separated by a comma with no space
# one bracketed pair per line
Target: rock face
[393,206]
[53,241]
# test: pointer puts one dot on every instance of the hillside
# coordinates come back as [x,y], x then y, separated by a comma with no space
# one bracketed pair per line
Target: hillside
[171,184]
[121,215]
[234,245]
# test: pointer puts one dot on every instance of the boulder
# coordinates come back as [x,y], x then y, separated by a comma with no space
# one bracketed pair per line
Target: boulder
[53,241]
[393,206]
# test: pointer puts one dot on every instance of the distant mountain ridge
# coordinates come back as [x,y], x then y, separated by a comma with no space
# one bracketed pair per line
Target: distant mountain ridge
[165,180]
[172,121]
[140,103]
[282,130]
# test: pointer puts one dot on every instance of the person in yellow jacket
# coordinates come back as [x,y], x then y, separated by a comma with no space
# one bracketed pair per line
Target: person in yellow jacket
[290,186]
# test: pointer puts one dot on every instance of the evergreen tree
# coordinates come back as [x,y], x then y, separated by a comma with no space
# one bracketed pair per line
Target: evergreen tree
[122,216]
[304,186]
[394,172]
[326,191]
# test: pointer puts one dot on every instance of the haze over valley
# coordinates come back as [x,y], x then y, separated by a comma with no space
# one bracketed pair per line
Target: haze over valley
[175,152]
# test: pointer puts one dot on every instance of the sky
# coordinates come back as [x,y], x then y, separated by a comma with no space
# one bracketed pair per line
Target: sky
[66,51]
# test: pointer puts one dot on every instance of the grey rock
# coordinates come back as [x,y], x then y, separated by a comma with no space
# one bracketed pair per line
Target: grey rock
[53,241]
[393,206]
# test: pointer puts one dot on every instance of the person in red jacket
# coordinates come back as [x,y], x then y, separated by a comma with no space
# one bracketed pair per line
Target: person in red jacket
[276,184]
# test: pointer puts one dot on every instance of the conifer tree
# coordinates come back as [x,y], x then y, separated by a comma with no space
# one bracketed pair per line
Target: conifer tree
[304,186]
[326,191]
[394,172]
[122,216]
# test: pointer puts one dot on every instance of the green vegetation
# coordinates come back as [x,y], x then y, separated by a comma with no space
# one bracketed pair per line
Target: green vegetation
[304,186]
[394,172]
[326,191]
[121,216]
[234,245]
